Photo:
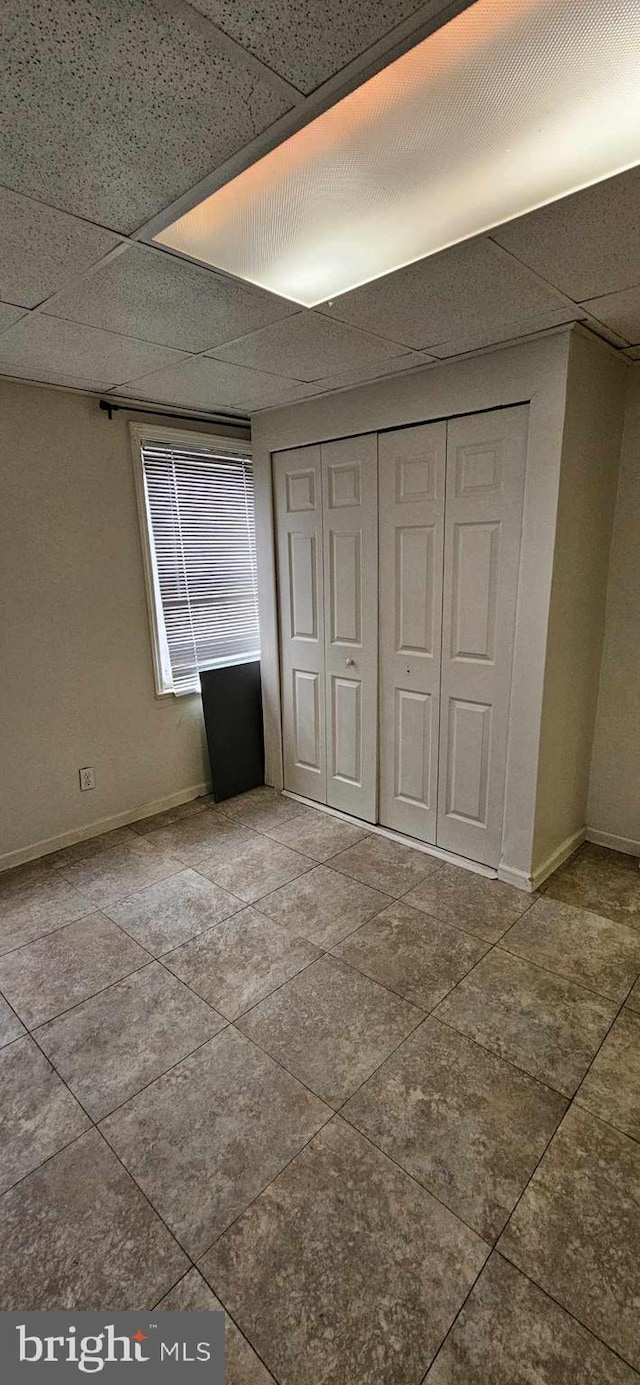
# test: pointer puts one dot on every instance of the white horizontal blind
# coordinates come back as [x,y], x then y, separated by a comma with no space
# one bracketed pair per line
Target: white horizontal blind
[200,510]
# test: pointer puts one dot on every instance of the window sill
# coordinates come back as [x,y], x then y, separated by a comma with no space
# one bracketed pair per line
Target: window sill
[230,662]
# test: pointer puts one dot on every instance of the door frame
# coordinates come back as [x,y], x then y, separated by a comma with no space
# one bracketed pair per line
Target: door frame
[535,373]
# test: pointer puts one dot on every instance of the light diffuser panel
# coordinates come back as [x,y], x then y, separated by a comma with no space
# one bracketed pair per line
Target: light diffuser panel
[510,105]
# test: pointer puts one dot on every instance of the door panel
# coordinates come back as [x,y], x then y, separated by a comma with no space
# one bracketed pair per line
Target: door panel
[303,593]
[412,486]
[474,577]
[345,587]
[413,747]
[468,758]
[346,740]
[298,504]
[350,520]
[485,484]
[306,703]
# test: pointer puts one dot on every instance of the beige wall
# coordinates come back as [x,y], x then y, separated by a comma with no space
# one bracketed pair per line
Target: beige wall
[594,418]
[76,680]
[613,814]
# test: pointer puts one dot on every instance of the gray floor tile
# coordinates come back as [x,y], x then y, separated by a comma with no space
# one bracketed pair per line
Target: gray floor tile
[576,1230]
[241,961]
[91,846]
[206,1138]
[254,868]
[633,999]
[607,882]
[510,1333]
[345,1270]
[611,1088]
[174,910]
[323,906]
[331,1027]
[242,1365]
[192,839]
[37,1113]
[261,809]
[77,1233]
[111,1046]
[10,1026]
[318,835]
[582,946]
[116,873]
[411,953]
[259,797]
[57,971]
[170,815]
[37,909]
[385,865]
[464,1123]
[191,1295]
[547,1026]
[23,877]
[469,901]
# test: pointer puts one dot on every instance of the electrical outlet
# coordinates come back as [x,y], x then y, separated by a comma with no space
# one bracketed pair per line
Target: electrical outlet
[87,778]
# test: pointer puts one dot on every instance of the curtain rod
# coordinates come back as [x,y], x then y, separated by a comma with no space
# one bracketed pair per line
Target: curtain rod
[230,420]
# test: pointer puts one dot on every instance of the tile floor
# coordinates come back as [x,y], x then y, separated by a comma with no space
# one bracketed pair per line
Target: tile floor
[384,1111]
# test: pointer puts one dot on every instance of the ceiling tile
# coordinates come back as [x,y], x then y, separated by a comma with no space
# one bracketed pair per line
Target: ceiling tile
[42,248]
[39,343]
[306,347]
[8,315]
[587,244]
[410,360]
[160,298]
[462,291]
[620,311]
[113,111]
[49,377]
[202,383]
[511,331]
[307,41]
[157,297]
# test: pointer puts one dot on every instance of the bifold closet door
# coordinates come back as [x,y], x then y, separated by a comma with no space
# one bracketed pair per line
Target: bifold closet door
[483,520]
[298,503]
[411,491]
[350,524]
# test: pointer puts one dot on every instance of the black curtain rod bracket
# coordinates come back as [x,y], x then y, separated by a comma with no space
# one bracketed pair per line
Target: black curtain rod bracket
[229,420]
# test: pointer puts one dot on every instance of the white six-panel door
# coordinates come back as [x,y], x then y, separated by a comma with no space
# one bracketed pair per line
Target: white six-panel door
[350,524]
[450,519]
[411,505]
[298,503]
[483,518]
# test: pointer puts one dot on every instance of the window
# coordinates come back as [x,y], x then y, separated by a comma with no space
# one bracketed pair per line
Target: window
[195,495]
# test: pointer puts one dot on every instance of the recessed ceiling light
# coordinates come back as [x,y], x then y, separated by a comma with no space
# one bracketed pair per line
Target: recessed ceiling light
[510,105]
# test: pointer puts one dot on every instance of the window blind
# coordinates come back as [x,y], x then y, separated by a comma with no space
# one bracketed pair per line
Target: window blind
[200,511]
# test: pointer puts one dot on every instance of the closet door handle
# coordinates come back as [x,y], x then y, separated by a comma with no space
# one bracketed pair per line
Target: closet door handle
[350,663]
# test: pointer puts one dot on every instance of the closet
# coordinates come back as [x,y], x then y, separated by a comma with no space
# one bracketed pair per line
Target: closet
[398,559]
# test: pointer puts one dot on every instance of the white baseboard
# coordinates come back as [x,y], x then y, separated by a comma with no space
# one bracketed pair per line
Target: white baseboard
[629,845]
[440,854]
[518,878]
[537,877]
[95,829]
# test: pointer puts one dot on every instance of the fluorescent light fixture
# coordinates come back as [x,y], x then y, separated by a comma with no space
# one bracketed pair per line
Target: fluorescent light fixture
[511,105]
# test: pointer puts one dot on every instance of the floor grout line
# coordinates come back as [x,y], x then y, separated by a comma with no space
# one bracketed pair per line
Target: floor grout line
[497,1251]
[338,1111]
[614,1351]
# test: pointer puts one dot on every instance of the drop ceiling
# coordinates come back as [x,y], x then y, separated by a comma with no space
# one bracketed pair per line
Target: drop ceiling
[116,119]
